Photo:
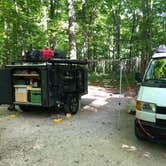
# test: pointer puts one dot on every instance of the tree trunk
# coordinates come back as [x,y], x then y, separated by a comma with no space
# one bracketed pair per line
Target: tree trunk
[117,33]
[133,27]
[18,34]
[84,30]
[94,16]
[6,41]
[52,37]
[92,51]
[116,20]
[52,9]
[146,34]
[72,42]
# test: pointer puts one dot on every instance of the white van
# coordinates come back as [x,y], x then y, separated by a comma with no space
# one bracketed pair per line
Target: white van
[150,120]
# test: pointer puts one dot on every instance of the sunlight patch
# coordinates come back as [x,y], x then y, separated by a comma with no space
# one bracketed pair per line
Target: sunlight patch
[147,154]
[129,148]
[99,103]
[90,108]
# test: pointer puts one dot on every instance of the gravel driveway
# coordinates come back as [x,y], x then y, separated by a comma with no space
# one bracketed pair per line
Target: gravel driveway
[96,136]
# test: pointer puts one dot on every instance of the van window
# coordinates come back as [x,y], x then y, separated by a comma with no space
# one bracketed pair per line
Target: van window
[156,72]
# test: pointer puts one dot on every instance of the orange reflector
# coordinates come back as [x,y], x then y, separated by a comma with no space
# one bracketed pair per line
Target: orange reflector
[138,105]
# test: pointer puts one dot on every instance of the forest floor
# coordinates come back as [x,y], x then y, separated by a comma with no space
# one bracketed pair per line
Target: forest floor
[95,136]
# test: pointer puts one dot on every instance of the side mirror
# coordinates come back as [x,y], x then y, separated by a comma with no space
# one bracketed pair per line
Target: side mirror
[138,77]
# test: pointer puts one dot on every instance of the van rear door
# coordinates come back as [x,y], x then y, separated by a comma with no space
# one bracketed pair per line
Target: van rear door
[5,86]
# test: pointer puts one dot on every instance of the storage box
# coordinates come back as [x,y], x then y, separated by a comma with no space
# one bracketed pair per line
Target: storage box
[35,95]
[21,93]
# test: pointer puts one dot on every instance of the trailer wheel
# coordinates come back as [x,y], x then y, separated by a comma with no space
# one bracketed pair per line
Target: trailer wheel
[72,104]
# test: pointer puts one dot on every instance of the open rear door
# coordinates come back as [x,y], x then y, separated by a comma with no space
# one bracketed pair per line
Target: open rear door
[5,86]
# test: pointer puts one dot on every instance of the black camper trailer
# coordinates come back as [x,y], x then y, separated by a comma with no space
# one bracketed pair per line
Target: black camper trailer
[52,84]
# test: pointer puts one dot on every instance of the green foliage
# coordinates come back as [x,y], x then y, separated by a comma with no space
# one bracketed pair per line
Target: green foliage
[141,27]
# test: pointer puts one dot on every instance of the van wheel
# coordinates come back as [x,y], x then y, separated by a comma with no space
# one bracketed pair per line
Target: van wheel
[72,104]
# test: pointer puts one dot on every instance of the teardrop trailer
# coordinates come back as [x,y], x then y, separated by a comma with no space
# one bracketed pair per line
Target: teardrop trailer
[150,123]
[52,84]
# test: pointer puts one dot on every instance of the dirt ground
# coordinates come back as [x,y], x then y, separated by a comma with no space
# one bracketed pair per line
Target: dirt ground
[96,136]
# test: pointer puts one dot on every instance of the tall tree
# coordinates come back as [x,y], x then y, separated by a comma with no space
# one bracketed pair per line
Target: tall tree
[84,30]
[52,34]
[72,42]
[146,33]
